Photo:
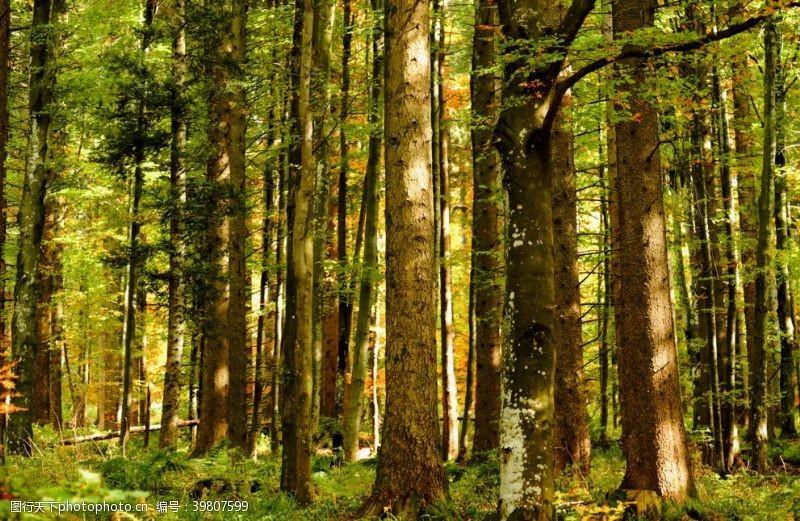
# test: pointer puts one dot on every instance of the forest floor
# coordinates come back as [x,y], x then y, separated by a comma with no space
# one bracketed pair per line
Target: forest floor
[95,472]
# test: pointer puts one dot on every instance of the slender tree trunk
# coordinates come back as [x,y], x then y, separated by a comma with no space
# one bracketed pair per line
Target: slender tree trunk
[44,273]
[367,292]
[57,340]
[572,443]
[654,438]
[298,366]
[131,285]
[727,359]
[764,260]
[746,196]
[277,299]
[30,219]
[605,309]
[447,336]
[233,123]
[345,299]
[782,223]
[487,258]
[469,384]
[410,475]
[5,49]
[170,413]
[324,11]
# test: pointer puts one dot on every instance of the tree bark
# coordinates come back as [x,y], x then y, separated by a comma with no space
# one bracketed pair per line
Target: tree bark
[764,259]
[177,177]
[324,11]
[487,258]
[297,352]
[786,322]
[571,431]
[367,291]
[233,121]
[410,475]
[30,217]
[447,335]
[654,438]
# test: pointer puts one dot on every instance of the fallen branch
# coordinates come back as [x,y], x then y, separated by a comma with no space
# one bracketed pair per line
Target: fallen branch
[115,434]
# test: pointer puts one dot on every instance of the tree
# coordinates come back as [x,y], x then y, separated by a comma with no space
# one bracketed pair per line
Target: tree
[764,256]
[367,291]
[177,170]
[410,475]
[223,323]
[297,341]
[30,217]
[487,254]
[654,437]
[572,443]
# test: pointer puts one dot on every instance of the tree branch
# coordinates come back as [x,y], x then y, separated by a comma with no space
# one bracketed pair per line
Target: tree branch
[567,83]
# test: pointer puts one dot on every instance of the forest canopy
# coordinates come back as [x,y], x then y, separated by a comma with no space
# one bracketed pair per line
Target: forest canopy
[345,259]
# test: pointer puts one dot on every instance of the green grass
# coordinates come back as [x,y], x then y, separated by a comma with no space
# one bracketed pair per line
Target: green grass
[97,472]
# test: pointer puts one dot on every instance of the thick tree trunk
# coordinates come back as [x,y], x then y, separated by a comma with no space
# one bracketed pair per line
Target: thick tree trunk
[654,437]
[410,475]
[297,352]
[487,258]
[224,326]
[30,219]
[367,292]
[764,259]
[177,177]
[572,442]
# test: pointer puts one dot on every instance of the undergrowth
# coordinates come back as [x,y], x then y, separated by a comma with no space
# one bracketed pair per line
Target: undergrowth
[97,472]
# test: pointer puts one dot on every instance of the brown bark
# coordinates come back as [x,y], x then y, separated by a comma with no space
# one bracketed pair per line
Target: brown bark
[764,259]
[324,11]
[410,475]
[5,48]
[572,443]
[41,395]
[487,258]
[30,219]
[297,344]
[233,124]
[654,437]
[351,424]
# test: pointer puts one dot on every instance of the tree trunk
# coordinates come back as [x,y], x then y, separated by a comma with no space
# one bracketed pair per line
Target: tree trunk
[30,219]
[410,475]
[233,123]
[41,395]
[654,437]
[177,177]
[782,223]
[324,11]
[297,352]
[224,322]
[447,338]
[367,292]
[764,260]
[572,442]
[487,258]
[727,360]
[345,299]
[5,48]
[131,284]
